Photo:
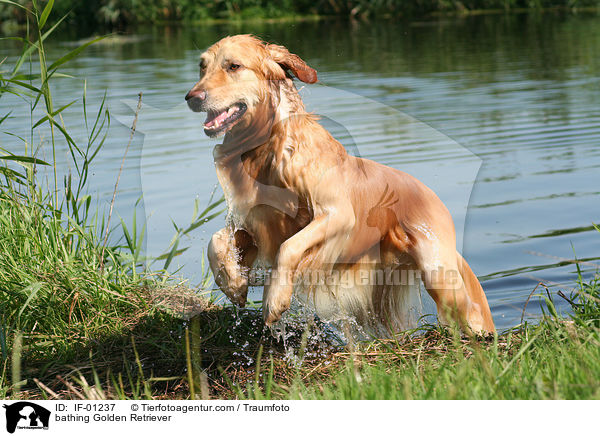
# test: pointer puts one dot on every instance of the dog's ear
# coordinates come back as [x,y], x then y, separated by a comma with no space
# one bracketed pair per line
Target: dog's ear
[292,62]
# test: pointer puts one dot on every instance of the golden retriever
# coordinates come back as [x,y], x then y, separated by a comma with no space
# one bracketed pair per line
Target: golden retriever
[300,204]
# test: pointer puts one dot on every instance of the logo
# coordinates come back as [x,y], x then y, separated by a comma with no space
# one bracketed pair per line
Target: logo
[26,415]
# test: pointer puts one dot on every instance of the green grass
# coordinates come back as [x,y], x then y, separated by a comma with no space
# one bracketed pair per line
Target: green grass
[148,357]
[74,288]
[558,358]
[547,362]
[82,317]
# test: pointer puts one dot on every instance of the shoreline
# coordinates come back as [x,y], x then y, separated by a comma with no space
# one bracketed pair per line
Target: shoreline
[7,25]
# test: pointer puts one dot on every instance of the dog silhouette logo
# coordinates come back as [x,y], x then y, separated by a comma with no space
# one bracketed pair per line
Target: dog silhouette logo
[26,415]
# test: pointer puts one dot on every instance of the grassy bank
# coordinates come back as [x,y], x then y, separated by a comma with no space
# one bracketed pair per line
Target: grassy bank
[156,353]
[82,316]
[119,13]
[73,283]
[555,358]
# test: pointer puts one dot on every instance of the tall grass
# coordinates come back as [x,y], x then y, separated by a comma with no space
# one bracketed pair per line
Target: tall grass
[68,279]
[48,232]
[50,246]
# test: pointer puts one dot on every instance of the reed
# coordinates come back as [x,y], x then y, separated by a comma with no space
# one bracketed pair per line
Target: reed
[68,278]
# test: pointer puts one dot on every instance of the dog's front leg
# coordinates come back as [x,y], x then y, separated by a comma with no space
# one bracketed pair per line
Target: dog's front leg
[278,292]
[230,255]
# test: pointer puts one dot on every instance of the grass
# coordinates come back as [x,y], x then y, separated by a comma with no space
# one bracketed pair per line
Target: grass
[547,362]
[557,358]
[71,285]
[221,353]
[82,316]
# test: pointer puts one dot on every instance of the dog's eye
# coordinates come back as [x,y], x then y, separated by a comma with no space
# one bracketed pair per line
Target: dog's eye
[234,67]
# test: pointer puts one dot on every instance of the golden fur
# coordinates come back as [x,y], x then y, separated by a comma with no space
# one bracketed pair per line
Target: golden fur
[299,203]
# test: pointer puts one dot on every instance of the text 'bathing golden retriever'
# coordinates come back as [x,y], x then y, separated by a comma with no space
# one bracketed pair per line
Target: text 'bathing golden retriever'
[343,232]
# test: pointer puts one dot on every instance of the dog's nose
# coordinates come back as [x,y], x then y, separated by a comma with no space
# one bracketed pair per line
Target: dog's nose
[196,93]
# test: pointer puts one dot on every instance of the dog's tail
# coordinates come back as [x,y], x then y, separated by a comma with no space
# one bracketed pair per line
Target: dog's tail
[476,293]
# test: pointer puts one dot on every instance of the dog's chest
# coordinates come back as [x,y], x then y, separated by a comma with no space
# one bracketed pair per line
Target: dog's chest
[245,192]
[238,196]
[270,213]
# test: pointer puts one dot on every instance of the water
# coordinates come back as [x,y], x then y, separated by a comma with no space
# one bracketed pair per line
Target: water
[509,103]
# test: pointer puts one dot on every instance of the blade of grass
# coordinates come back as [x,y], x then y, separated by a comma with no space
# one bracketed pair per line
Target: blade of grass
[45,14]
[112,203]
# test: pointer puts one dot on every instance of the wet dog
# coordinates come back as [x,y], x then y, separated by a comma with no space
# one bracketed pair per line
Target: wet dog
[299,203]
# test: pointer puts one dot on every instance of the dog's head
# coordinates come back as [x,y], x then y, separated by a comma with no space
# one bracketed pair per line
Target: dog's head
[235,74]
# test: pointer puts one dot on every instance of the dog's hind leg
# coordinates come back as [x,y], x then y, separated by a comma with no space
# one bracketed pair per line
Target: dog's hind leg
[231,255]
[476,293]
[442,272]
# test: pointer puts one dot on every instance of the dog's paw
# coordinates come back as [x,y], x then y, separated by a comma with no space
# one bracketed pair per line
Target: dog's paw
[241,303]
[273,310]
[271,318]
[237,296]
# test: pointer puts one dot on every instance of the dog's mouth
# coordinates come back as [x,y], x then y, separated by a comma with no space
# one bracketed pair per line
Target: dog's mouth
[220,121]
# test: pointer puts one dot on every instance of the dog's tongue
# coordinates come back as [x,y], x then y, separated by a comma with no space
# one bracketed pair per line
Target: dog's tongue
[217,120]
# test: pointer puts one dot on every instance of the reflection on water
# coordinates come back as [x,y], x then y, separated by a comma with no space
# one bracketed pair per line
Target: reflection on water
[520,93]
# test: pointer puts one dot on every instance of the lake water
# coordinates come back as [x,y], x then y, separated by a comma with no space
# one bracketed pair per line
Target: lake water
[500,115]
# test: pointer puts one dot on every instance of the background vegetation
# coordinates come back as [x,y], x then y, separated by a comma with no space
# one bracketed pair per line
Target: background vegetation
[117,13]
